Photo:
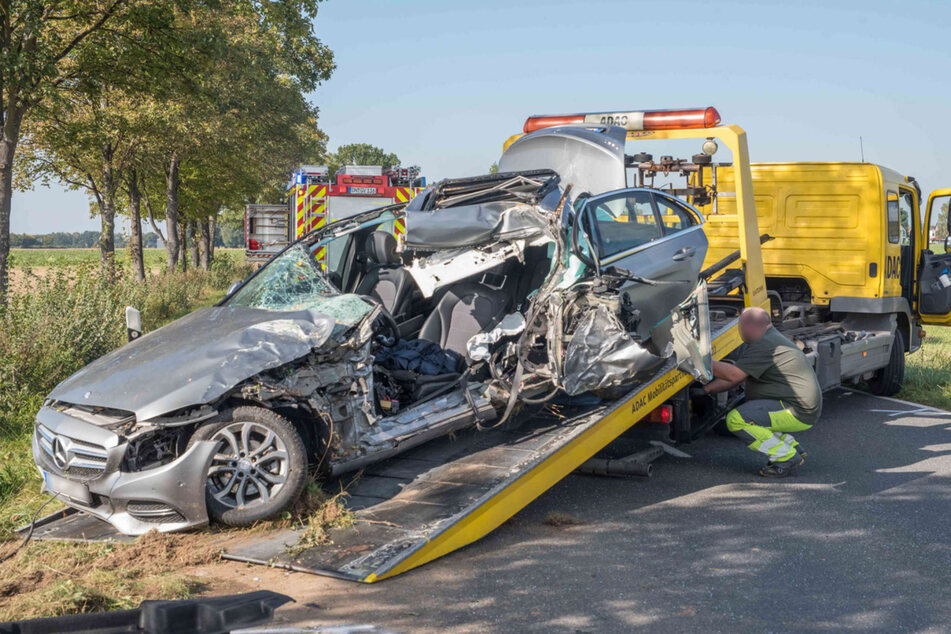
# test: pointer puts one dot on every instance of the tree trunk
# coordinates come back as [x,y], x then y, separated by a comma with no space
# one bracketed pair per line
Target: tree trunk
[7,149]
[135,214]
[212,230]
[183,244]
[193,242]
[205,245]
[171,210]
[107,236]
[107,213]
[13,116]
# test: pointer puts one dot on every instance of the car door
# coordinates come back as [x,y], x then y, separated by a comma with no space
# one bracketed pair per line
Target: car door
[934,274]
[653,236]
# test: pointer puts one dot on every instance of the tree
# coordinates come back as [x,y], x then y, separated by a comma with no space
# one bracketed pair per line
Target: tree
[941,223]
[41,42]
[223,147]
[494,168]
[170,133]
[361,154]
[84,141]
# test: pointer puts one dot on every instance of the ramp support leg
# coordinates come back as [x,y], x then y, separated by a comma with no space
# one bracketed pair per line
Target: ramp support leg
[636,464]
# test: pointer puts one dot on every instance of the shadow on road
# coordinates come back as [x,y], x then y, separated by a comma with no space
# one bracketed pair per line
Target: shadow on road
[858,540]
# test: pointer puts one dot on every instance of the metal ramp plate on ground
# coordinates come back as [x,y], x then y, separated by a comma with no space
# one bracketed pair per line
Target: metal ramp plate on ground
[69,524]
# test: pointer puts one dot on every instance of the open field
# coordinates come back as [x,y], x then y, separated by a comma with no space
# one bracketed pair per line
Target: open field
[33,258]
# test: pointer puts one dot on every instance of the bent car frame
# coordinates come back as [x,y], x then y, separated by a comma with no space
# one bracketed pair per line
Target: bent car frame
[550,278]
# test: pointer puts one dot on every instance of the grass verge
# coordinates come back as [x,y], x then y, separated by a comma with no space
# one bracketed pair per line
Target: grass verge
[56,578]
[928,370]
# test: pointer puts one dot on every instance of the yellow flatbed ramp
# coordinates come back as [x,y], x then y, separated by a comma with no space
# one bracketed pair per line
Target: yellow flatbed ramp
[447,493]
[453,491]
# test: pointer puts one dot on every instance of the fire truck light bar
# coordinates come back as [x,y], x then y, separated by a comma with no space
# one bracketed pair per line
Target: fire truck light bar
[642,120]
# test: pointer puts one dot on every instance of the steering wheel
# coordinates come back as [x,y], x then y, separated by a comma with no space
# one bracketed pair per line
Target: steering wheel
[386,329]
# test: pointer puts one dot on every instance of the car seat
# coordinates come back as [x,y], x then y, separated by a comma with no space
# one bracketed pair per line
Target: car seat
[386,280]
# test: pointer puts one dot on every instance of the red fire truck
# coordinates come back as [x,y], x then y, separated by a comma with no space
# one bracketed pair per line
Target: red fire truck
[315,199]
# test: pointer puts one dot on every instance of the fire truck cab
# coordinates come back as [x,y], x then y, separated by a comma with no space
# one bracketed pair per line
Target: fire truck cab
[315,197]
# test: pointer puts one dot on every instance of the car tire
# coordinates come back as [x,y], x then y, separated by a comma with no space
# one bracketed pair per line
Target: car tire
[888,380]
[260,467]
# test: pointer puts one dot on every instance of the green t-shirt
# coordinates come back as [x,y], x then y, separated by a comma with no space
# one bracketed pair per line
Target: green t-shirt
[779,370]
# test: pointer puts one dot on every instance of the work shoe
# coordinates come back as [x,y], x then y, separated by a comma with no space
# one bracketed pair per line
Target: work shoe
[782,469]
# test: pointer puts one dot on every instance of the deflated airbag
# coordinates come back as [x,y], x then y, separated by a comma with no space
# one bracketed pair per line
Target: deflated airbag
[471,225]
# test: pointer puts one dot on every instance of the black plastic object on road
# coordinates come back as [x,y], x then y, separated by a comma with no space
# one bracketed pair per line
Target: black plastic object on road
[216,615]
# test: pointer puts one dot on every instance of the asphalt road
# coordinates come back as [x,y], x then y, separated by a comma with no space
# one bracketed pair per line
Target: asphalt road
[859,540]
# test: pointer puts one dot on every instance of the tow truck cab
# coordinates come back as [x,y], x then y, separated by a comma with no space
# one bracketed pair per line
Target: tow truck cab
[849,238]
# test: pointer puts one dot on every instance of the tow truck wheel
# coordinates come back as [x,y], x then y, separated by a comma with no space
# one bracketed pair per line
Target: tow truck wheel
[259,468]
[888,380]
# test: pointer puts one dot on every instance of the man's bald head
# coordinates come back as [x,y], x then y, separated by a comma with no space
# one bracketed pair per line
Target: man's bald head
[754,322]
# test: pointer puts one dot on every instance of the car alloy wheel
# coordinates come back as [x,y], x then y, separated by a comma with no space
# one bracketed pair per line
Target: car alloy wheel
[250,467]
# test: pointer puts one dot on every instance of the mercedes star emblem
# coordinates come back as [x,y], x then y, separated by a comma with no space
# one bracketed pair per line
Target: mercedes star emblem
[60,457]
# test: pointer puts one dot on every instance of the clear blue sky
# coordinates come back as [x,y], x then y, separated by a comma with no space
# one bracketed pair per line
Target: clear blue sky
[443,83]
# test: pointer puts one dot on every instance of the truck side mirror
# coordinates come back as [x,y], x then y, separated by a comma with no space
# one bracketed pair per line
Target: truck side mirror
[133,323]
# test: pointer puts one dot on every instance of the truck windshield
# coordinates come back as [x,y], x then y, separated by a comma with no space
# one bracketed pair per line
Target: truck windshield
[291,281]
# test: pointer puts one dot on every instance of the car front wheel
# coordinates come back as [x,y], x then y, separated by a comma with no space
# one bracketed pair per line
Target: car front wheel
[259,467]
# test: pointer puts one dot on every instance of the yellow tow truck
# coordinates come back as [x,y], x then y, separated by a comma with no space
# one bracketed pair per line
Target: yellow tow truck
[850,270]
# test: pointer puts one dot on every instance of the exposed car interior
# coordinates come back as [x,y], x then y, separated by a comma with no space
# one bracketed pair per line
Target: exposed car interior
[447,320]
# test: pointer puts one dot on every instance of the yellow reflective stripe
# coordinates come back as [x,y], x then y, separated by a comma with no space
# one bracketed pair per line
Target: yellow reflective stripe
[776,446]
[785,420]
[788,438]
[773,447]
[734,420]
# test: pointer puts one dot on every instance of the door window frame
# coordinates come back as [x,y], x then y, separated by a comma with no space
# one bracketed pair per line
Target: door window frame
[620,255]
[891,198]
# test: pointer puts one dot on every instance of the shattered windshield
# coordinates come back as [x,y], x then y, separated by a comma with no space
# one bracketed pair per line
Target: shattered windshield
[291,281]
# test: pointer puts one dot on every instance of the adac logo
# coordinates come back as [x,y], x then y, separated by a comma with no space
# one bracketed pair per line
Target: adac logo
[60,456]
[892,267]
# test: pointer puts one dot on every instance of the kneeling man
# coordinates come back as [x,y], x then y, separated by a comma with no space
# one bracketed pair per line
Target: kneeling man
[782,393]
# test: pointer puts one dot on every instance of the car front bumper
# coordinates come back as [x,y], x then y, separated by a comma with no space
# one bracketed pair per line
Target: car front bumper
[80,463]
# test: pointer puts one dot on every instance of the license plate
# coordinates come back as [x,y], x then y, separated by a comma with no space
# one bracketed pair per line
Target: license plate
[363,190]
[75,491]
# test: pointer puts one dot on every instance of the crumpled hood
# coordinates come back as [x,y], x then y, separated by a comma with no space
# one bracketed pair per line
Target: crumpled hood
[195,359]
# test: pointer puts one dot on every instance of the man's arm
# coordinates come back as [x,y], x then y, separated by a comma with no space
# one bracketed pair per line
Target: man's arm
[726,376]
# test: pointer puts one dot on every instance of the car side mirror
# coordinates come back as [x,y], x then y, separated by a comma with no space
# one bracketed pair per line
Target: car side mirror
[133,323]
[234,287]
[947,243]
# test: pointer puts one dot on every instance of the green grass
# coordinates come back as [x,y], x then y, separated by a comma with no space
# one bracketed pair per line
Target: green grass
[58,322]
[928,370]
[35,258]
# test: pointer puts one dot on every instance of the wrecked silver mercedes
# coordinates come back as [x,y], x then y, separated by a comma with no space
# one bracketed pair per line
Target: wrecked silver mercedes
[510,289]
